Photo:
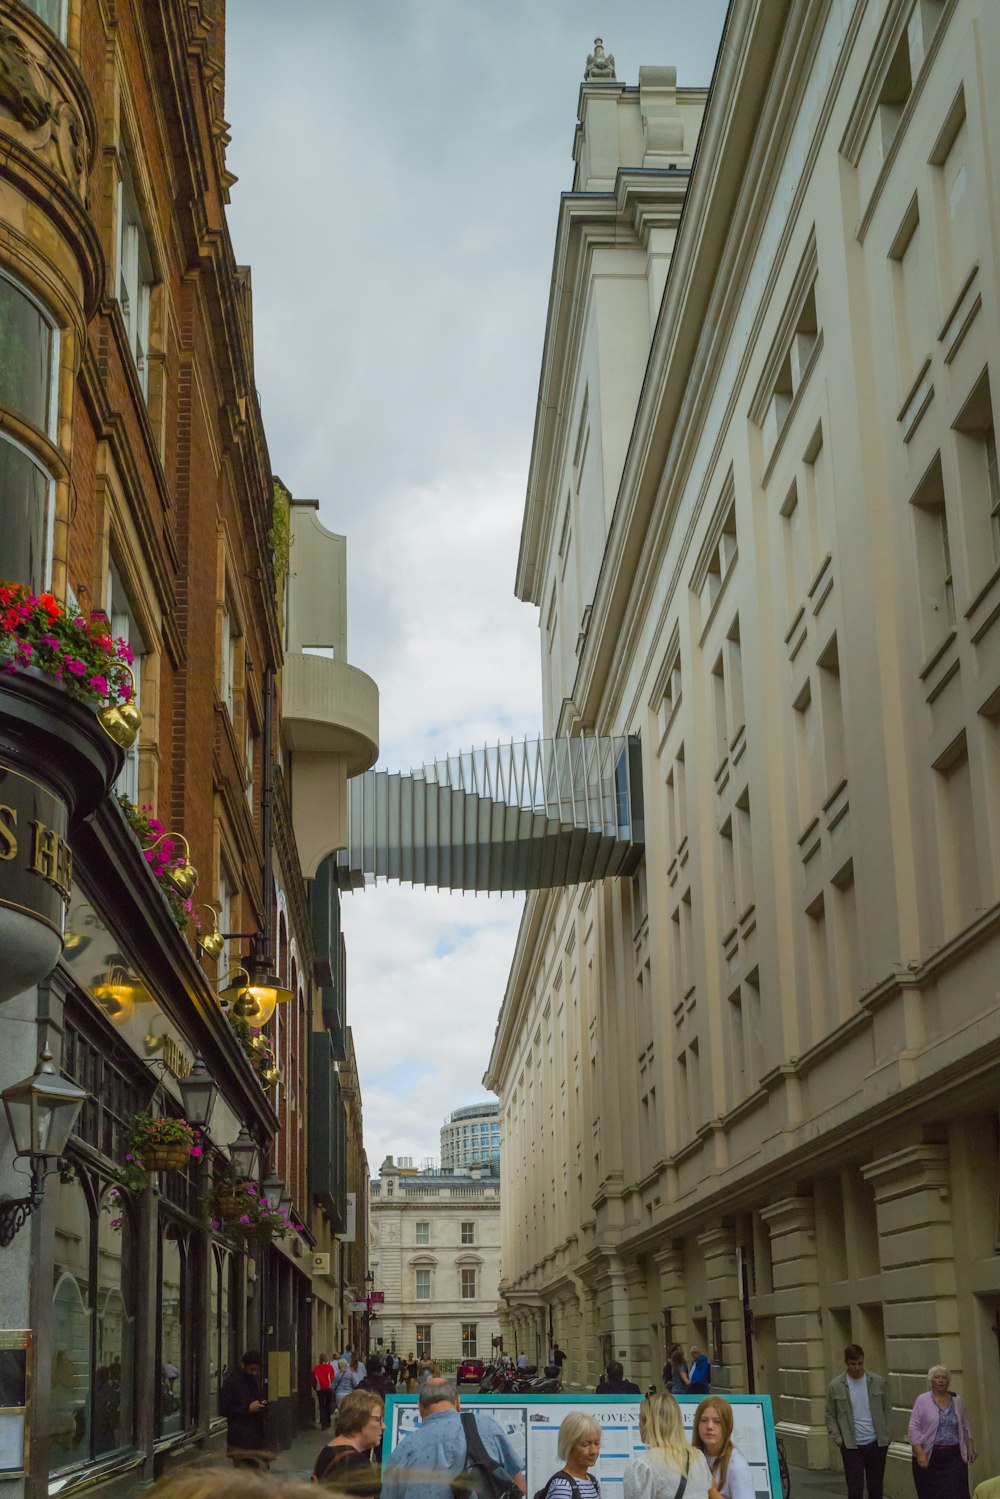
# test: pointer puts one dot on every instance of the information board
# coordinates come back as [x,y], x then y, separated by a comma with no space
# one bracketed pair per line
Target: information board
[532,1427]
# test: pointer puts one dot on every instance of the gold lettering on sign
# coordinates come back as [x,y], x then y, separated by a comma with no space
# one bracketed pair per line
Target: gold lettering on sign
[53,859]
[175,1059]
[8,832]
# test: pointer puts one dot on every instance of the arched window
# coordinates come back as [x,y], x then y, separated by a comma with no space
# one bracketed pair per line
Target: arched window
[28,369]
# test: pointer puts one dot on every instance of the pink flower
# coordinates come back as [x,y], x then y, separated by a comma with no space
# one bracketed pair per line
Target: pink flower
[244,1218]
[129,1158]
[125,691]
[195,1150]
[216,1223]
[99,684]
[75,665]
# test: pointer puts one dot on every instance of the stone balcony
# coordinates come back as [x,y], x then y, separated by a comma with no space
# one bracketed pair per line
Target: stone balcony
[329,721]
[330,708]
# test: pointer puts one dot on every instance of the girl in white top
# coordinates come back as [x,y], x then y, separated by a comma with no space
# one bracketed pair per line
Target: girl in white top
[579,1448]
[713,1435]
[668,1461]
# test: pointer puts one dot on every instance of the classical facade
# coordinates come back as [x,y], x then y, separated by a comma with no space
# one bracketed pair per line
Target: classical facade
[135,483]
[750,1095]
[434,1249]
[470,1136]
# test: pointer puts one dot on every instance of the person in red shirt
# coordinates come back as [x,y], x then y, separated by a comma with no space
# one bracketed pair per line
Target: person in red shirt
[323,1377]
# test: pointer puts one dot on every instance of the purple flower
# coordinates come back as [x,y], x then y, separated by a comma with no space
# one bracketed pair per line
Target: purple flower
[216,1223]
[130,1158]
[244,1218]
[117,1222]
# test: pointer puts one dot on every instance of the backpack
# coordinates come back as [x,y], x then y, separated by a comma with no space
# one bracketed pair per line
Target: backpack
[482,1477]
[574,1486]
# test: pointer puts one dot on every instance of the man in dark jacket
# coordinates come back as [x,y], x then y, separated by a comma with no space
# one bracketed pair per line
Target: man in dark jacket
[615,1383]
[243,1405]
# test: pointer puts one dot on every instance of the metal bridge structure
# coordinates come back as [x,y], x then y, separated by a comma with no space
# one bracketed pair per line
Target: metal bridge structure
[540,814]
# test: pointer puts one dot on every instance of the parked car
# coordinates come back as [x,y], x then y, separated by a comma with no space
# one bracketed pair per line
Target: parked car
[471,1371]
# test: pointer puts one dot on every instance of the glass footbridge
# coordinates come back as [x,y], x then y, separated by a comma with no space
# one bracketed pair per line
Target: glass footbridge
[537,815]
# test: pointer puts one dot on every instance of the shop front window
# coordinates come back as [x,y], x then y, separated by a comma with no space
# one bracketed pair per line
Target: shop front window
[223,1332]
[115,1328]
[69,1404]
[170,1313]
[93,1326]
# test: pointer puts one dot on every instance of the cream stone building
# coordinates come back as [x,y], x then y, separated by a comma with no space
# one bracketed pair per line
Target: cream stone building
[434,1251]
[749,1097]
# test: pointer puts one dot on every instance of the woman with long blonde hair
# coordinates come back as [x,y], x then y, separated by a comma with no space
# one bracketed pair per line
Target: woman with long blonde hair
[713,1435]
[669,1468]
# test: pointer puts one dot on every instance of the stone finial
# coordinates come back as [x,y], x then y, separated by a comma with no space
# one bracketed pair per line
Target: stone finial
[600,64]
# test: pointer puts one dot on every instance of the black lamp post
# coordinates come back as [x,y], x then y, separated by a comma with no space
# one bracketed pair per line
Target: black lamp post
[41,1112]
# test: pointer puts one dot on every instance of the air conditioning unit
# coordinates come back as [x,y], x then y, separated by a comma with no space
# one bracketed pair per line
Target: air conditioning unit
[321,1264]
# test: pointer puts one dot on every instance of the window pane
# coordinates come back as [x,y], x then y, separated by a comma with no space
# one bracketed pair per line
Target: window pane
[69,1403]
[115,1329]
[25,355]
[24,534]
[49,11]
[171,1350]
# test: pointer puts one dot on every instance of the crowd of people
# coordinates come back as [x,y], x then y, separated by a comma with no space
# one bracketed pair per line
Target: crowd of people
[429,1461]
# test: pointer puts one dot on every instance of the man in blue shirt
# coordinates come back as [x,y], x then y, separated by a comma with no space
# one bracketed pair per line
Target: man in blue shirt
[700,1375]
[426,1459]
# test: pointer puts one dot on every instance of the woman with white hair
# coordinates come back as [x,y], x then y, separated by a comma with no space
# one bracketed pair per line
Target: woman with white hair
[941,1440]
[579,1447]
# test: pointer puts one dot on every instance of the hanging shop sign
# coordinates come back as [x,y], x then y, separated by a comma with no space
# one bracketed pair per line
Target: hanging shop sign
[36,875]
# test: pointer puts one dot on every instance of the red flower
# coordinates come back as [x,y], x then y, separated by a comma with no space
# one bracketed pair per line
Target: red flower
[50,605]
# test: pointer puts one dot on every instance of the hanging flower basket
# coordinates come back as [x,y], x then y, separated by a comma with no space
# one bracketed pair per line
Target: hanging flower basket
[228,1204]
[252,1216]
[164,1157]
[163,1144]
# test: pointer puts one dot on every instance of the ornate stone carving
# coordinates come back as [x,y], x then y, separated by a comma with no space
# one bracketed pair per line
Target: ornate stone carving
[20,94]
[37,108]
[600,64]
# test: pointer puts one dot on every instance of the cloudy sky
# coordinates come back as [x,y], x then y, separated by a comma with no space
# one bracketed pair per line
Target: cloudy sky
[400,165]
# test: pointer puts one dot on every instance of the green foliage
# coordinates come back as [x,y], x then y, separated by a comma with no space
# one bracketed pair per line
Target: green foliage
[279,537]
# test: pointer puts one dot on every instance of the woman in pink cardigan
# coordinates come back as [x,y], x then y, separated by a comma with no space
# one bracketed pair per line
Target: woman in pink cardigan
[941,1440]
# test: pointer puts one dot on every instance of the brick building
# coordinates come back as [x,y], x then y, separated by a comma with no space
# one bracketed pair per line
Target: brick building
[135,480]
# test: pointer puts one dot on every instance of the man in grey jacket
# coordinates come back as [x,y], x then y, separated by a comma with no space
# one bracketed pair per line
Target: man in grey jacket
[857,1418]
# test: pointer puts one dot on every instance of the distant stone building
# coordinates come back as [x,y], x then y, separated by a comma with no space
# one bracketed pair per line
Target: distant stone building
[434,1249]
[471,1136]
